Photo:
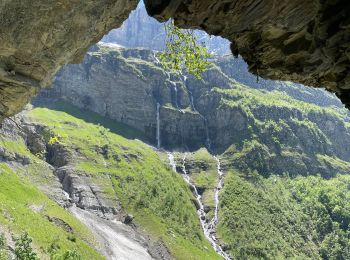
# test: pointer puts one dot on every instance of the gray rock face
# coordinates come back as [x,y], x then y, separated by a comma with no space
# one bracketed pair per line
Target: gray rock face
[126,85]
[86,194]
[38,37]
[141,30]
[75,190]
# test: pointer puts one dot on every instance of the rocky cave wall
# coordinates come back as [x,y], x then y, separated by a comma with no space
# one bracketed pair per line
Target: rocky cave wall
[38,37]
[305,41]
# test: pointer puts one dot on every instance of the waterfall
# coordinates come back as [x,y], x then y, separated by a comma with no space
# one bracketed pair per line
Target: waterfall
[192,102]
[158,125]
[208,142]
[215,219]
[208,229]
[156,58]
[172,161]
[190,94]
[175,90]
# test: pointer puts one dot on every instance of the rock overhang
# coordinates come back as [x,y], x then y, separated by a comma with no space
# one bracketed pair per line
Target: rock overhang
[305,41]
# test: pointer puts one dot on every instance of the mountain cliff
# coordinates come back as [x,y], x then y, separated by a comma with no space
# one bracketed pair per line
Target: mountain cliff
[259,126]
[267,159]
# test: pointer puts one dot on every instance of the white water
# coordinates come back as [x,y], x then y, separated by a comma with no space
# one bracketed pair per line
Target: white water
[156,58]
[175,90]
[172,161]
[215,219]
[117,240]
[190,94]
[208,229]
[208,142]
[192,101]
[158,125]
[174,87]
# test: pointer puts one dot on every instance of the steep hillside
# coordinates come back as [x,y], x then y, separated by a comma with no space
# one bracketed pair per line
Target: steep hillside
[255,198]
[282,217]
[100,177]
[270,131]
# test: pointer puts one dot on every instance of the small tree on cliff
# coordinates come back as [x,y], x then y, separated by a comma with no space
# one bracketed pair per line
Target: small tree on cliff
[183,51]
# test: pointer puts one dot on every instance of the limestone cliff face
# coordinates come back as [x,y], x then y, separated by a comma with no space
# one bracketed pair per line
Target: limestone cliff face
[126,85]
[38,37]
[141,30]
[255,127]
[302,41]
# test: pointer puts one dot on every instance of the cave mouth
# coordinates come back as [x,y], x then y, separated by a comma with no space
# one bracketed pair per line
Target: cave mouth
[141,37]
[299,42]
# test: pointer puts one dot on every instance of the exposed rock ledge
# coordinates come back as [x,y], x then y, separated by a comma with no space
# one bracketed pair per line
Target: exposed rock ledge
[38,37]
[305,41]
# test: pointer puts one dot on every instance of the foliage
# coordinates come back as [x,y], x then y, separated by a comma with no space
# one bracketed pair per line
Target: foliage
[283,217]
[17,194]
[183,51]
[3,253]
[23,248]
[71,255]
[53,140]
[159,200]
[68,255]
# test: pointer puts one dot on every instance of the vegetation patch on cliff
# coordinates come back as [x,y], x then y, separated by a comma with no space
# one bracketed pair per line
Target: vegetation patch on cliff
[158,198]
[282,217]
[24,208]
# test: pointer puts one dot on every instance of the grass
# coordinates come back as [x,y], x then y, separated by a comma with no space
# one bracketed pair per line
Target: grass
[158,198]
[202,168]
[243,96]
[285,218]
[16,197]
[94,118]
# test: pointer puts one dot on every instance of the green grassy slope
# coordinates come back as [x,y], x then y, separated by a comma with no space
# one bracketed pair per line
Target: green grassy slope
[157,197]
[18,197]
[282,217]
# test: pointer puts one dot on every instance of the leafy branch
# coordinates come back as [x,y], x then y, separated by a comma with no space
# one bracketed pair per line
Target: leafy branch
[184,52]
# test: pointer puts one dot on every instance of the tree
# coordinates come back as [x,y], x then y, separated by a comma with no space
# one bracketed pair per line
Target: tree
[183,52]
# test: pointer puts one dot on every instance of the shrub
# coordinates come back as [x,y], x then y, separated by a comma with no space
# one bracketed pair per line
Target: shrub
[23,249]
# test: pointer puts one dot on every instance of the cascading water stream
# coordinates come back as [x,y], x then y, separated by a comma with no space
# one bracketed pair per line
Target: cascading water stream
[192,101]
[172,161]
[158,125]
[208,229]
[175,90]
[190,94]
[208,142]
[215,219]
[156,58]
